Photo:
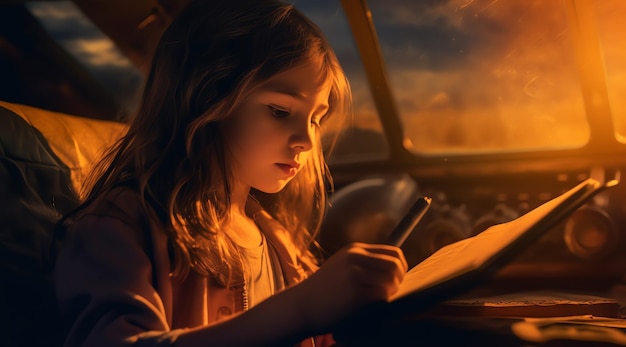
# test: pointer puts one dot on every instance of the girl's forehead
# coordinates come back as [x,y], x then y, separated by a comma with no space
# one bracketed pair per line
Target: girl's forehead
[303,80]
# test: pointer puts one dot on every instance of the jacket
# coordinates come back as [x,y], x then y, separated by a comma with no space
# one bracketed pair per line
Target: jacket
[113,278]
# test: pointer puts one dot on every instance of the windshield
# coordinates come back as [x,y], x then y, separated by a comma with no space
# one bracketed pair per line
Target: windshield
[482,75]
[471,77]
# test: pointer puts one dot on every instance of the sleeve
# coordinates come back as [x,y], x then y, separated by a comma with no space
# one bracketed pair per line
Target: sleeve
[103,281]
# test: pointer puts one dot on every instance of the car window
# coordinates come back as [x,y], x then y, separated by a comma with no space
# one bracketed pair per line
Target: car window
[79,37]
[482,76]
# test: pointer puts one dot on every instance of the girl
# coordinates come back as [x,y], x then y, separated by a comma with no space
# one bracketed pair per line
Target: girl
[199,227]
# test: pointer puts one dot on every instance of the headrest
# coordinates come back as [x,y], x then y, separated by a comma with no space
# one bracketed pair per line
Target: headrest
[76,141]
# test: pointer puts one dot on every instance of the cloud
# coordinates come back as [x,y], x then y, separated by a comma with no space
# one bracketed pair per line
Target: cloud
[97,52]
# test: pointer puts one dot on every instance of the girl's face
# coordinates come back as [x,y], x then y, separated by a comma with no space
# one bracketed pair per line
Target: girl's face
[273,132]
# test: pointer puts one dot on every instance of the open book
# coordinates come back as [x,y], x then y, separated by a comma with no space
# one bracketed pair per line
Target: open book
[455,267]
[458,267]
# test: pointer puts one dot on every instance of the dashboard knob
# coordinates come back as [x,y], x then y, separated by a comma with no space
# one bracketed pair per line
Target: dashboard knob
[590,233]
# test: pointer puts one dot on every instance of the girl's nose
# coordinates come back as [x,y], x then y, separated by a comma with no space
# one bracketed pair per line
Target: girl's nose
[302,139]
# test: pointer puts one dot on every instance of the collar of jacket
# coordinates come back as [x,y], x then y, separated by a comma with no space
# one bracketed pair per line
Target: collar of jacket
[281,240]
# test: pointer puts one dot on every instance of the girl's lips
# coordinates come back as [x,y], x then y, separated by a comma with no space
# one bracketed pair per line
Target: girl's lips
[287,169]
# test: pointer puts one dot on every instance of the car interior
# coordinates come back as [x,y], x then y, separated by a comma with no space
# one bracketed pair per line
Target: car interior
[490,108]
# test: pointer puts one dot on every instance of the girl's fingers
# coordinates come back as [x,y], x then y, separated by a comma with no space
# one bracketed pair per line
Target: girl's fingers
[376,284]
[377,254]
[376,269]
[378,262]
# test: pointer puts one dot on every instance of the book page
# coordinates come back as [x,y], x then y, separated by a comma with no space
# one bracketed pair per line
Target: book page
[469,254]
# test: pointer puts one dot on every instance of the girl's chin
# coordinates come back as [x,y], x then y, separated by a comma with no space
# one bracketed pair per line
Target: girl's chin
[272,189]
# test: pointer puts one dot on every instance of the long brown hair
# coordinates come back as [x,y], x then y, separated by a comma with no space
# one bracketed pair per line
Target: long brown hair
[212,56]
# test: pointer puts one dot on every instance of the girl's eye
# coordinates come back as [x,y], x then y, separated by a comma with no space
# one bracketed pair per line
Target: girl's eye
[278,112]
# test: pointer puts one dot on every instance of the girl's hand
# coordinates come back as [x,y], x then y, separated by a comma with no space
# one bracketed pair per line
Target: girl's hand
[357,275]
